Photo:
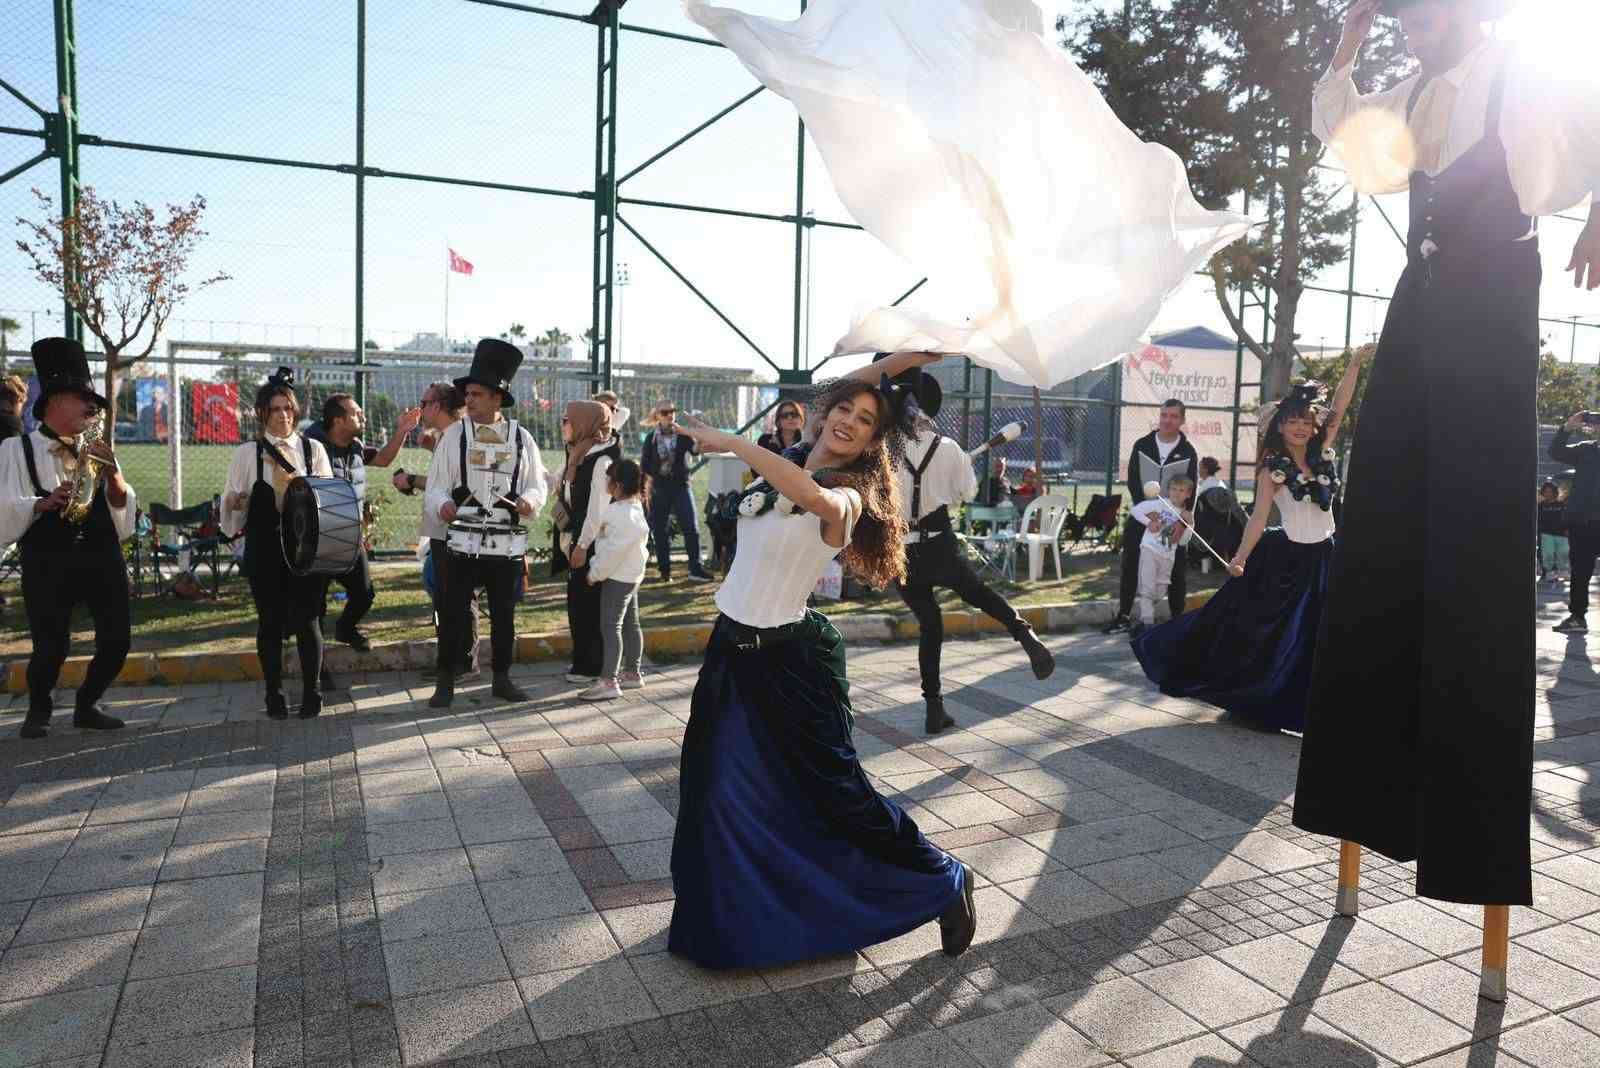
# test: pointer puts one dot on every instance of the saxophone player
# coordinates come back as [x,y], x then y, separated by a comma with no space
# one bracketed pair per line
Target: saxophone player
[68,508]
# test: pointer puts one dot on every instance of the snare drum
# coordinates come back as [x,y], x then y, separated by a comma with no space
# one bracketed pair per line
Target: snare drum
[473,537]
[321,526]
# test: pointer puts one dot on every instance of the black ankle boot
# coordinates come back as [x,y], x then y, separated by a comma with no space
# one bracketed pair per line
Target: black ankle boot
[444,691]
[938,719]
[36,726]
[959,923]
[94,719]
[505,689]
[1042,659]
[311,706]
[277,707]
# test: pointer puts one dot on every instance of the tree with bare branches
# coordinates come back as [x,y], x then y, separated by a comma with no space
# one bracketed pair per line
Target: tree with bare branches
[121,269]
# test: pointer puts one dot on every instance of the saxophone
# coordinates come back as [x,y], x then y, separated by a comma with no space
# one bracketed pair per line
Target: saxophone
[86,476]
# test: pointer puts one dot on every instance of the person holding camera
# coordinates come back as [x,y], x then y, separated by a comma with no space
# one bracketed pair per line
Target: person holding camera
[1583,513]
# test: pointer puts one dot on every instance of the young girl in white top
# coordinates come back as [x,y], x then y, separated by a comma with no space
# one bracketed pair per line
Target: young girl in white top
[617,567]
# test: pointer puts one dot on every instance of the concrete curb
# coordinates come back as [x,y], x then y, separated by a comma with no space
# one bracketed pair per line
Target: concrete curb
[178,669]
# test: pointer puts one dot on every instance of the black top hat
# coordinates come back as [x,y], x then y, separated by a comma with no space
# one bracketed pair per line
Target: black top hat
[494,365]
[61,367]
[1485,9]
[923,386]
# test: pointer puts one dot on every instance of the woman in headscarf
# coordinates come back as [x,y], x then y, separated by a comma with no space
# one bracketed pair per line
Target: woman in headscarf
[252,499]
[580,499]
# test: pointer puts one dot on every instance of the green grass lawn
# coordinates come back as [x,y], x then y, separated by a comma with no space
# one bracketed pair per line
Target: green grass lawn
[402,612]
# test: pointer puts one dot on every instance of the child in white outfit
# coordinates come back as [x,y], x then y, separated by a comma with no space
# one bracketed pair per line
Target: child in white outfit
[620,554]
[1165,534]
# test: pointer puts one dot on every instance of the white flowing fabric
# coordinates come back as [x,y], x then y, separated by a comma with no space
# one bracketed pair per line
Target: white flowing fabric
[977,151]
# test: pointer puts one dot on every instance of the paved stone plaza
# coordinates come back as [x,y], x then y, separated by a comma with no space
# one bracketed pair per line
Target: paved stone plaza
[388,886]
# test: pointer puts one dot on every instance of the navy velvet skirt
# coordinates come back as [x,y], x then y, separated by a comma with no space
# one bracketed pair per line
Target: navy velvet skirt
[1249,648]
[784,851]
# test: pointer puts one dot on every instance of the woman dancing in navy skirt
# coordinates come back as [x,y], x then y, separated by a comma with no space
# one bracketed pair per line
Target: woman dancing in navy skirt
[1249,649]
[784,852]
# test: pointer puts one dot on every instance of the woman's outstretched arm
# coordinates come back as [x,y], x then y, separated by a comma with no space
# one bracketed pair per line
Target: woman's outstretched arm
[789,479]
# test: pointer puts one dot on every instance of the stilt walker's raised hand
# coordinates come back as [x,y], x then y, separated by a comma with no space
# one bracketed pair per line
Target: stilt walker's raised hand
[1586,253]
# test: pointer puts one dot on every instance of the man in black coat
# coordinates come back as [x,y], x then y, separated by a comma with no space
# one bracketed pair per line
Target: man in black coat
[1152,458]
[1583,518]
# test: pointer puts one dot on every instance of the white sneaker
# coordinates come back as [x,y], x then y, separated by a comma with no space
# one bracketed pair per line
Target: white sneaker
[573,676]
[602,690]
[631,680]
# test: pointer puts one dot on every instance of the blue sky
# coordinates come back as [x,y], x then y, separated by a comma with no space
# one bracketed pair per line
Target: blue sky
[465,90]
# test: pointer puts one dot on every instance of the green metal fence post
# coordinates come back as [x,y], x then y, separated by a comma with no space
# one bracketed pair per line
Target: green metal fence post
[605,191]
[65,130]
[799,219]
[361,197]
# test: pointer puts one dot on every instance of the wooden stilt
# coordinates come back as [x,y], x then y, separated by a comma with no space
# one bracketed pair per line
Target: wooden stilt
[1348,902]
[1496,948]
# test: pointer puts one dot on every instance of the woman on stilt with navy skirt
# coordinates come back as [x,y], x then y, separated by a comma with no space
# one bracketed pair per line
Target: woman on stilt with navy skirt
[784,851]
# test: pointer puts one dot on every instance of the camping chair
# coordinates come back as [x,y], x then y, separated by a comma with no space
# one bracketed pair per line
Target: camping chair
[1048,514]
[1220,521]
[1100,518]
[195,538]
[10,562]
[996,549]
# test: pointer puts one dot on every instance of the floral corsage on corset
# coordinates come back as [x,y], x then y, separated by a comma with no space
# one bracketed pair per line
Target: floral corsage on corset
[1321,485]
[760,497]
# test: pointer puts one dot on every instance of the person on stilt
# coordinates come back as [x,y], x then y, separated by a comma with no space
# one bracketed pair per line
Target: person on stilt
[252,502]
[934,478]
[784,851]
[68,557]
[1419,727]
[483,461]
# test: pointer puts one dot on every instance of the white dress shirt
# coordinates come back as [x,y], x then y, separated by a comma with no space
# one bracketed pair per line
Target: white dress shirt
[17,494]
[242,475]
[1549,123]
[444,473]
[949,479]
[620,551]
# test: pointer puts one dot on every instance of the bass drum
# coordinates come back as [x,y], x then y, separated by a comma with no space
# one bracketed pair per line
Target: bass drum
[321,526]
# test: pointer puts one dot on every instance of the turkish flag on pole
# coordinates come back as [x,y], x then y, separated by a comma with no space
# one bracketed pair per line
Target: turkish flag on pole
[457,264]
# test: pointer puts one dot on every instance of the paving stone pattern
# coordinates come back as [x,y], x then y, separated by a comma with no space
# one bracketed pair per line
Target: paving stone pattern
[389,886]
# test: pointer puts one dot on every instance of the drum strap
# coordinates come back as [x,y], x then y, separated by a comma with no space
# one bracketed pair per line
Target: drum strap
[512,434]
[265,448]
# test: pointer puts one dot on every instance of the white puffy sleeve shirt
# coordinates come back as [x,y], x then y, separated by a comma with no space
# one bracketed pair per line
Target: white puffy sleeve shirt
[17,493]
[444,471]
[949,479]
[242,474]
[1549,123]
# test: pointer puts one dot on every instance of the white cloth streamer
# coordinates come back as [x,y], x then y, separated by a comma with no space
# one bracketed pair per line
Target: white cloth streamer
[975,149]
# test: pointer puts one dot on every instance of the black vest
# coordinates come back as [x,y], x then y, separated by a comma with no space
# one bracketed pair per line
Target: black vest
[52,533]
[1470,208]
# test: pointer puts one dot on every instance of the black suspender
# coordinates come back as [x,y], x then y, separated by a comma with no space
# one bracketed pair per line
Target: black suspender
[512,434]
[33,470]
[916,479]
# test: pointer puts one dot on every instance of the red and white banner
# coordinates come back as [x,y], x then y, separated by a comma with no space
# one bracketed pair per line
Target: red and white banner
[216,412]
[457,264]
[1198,367]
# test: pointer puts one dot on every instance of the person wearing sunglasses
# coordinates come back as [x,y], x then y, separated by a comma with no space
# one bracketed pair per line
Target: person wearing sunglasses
[665,462]
[788,425]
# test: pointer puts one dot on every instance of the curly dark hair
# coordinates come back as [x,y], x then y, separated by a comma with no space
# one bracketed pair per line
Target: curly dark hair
[1304,401]
[876,552]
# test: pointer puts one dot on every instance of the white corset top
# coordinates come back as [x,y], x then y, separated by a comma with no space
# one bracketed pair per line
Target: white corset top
[1303,520]
[777,565]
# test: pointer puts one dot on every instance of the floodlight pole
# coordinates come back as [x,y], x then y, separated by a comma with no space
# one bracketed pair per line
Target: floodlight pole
[361,199]
[605,16]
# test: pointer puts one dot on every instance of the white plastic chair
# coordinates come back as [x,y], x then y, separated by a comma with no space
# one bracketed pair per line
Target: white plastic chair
[996,549]
[1051,512]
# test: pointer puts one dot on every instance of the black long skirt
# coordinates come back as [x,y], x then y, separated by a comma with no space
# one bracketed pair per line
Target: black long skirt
[1419,733]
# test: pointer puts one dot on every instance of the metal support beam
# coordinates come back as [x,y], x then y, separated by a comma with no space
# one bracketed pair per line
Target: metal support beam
[64,126]
[361,199]
[605,192]
[799,222]
[19,168]
[718,117]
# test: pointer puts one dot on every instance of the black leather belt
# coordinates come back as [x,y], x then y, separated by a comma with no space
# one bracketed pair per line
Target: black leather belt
[752,639]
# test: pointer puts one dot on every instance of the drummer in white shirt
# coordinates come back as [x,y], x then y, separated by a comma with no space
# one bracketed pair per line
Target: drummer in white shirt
[252,500]
[515,492]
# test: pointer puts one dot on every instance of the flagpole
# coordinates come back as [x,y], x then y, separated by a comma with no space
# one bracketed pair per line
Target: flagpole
[447,298]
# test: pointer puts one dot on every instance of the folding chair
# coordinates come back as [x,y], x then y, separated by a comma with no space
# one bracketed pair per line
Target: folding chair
[1100,518]
[996,549]
[195,538]
[1050,514]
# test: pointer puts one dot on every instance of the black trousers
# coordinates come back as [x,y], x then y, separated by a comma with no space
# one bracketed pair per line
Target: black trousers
[583,622]
[671,499]
[53,585]
[1583,547]
[437,551]
[933,563]
[1177,591]
[357,583]
[457,578]
[1419,727]
[286,604]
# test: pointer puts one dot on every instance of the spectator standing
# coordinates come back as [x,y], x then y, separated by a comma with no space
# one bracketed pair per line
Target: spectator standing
[13,397]
[1553,557]
[1152,454]
[788,424]
[617,567]
[1582,516]
[665,463]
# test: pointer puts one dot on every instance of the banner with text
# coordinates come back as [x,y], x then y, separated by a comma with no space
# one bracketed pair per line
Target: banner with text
[1198,367]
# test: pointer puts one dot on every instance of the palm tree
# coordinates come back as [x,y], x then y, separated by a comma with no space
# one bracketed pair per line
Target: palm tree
[7,326]
[553,339]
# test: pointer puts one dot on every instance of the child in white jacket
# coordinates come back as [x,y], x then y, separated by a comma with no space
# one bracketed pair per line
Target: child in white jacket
[1167,526]
[618,561]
